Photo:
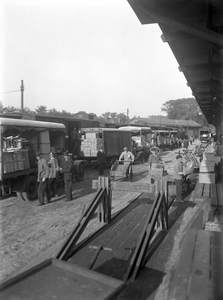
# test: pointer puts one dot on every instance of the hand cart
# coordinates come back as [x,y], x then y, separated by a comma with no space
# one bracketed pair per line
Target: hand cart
[121,170]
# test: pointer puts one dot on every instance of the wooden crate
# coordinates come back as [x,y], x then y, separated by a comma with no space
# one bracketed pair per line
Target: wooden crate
[8,162]
[156,173]
[207,178]
[207,166]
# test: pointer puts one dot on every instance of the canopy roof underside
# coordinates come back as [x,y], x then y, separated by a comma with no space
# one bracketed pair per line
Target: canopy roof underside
[194,31]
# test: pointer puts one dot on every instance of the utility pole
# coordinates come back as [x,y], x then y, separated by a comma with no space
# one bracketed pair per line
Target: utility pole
[22,90]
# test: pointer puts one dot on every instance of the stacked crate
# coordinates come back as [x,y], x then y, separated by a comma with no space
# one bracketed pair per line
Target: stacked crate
[207,172]
[15,161]
[8,163]
[91,145]
[156,170]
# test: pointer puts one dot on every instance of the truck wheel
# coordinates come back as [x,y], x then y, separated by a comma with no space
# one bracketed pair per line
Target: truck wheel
[30,193]
[80,172]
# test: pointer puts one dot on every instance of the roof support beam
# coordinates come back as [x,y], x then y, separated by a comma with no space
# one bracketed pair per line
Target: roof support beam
[182,24]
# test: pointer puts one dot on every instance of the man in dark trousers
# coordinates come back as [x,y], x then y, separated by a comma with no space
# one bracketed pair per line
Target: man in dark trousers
[75,139]
[101,160]
[66,168]
[43,175]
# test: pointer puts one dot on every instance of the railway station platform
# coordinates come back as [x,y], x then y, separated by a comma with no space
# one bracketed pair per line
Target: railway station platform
[183,261]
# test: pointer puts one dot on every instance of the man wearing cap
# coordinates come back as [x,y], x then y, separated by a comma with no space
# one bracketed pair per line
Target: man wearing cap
[43,175]
[66,168]
[127,155]
[178,168]
[101,160]
[153,159]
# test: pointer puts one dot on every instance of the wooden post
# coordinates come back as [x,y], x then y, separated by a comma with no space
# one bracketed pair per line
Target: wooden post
[104,208]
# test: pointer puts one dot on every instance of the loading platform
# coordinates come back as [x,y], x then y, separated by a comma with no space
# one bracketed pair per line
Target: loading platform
[129,258]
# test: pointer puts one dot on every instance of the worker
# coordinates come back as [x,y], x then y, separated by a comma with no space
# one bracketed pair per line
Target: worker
[66,167]
[75,138]
[43,175]
[54,168]
[177,176]
[153,159]
[128,158]
[198,154]
[101,160]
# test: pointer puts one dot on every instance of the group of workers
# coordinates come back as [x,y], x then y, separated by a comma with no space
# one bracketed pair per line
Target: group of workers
[48,172]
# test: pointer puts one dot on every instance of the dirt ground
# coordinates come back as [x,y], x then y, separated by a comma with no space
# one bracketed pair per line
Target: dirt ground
[27,230]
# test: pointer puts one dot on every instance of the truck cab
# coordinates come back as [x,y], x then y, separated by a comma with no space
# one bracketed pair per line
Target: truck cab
[141,138]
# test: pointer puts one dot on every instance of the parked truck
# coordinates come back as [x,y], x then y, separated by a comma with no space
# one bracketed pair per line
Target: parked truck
[141,139]
[19,142]
[113,141]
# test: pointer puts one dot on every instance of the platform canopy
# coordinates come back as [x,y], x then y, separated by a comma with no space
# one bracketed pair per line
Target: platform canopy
[194,31]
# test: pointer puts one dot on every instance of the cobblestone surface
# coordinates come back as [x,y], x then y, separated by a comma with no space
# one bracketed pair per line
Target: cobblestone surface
[28,231]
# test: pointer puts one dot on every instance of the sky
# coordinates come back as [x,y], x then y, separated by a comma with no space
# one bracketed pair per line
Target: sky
[85,55]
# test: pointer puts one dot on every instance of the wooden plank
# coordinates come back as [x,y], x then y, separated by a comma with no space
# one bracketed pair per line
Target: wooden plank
[198,192]
[216,286]
[179,287]
[214,194]
[207,190]
[117,235]
[86,284]
[132,187]
[199,281]
[219,194]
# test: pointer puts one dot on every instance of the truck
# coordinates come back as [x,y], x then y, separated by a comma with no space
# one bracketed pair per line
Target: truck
[204,136]
[141,139]
[20,139]
[113,141]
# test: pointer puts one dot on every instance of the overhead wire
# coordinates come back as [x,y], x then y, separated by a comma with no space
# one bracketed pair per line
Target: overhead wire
[10,92]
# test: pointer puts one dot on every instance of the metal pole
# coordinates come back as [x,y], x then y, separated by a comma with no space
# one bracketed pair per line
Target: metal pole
[22,90]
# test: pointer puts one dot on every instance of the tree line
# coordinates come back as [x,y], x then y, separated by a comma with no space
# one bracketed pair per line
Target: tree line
[180,109]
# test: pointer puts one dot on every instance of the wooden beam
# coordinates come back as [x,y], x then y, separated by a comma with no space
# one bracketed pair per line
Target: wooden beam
[132,187]
[181,24]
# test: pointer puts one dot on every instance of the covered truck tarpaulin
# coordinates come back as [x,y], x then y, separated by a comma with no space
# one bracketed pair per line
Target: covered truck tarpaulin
[115,141]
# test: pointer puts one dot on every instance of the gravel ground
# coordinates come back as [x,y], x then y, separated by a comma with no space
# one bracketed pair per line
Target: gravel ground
[27,230]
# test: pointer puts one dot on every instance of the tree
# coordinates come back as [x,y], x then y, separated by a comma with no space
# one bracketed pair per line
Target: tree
[123,118]
[53,112]
[184,109]
[42,109]
[106,116]
[11,109]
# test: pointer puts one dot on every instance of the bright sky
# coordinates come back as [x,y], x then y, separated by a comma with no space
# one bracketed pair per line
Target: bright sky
[85,55]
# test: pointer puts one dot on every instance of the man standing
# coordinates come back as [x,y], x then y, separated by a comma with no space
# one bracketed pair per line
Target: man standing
[67,169]
[153,159]
[43,175]
[178,168]
[101,160]
[75,137]
[127,156]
